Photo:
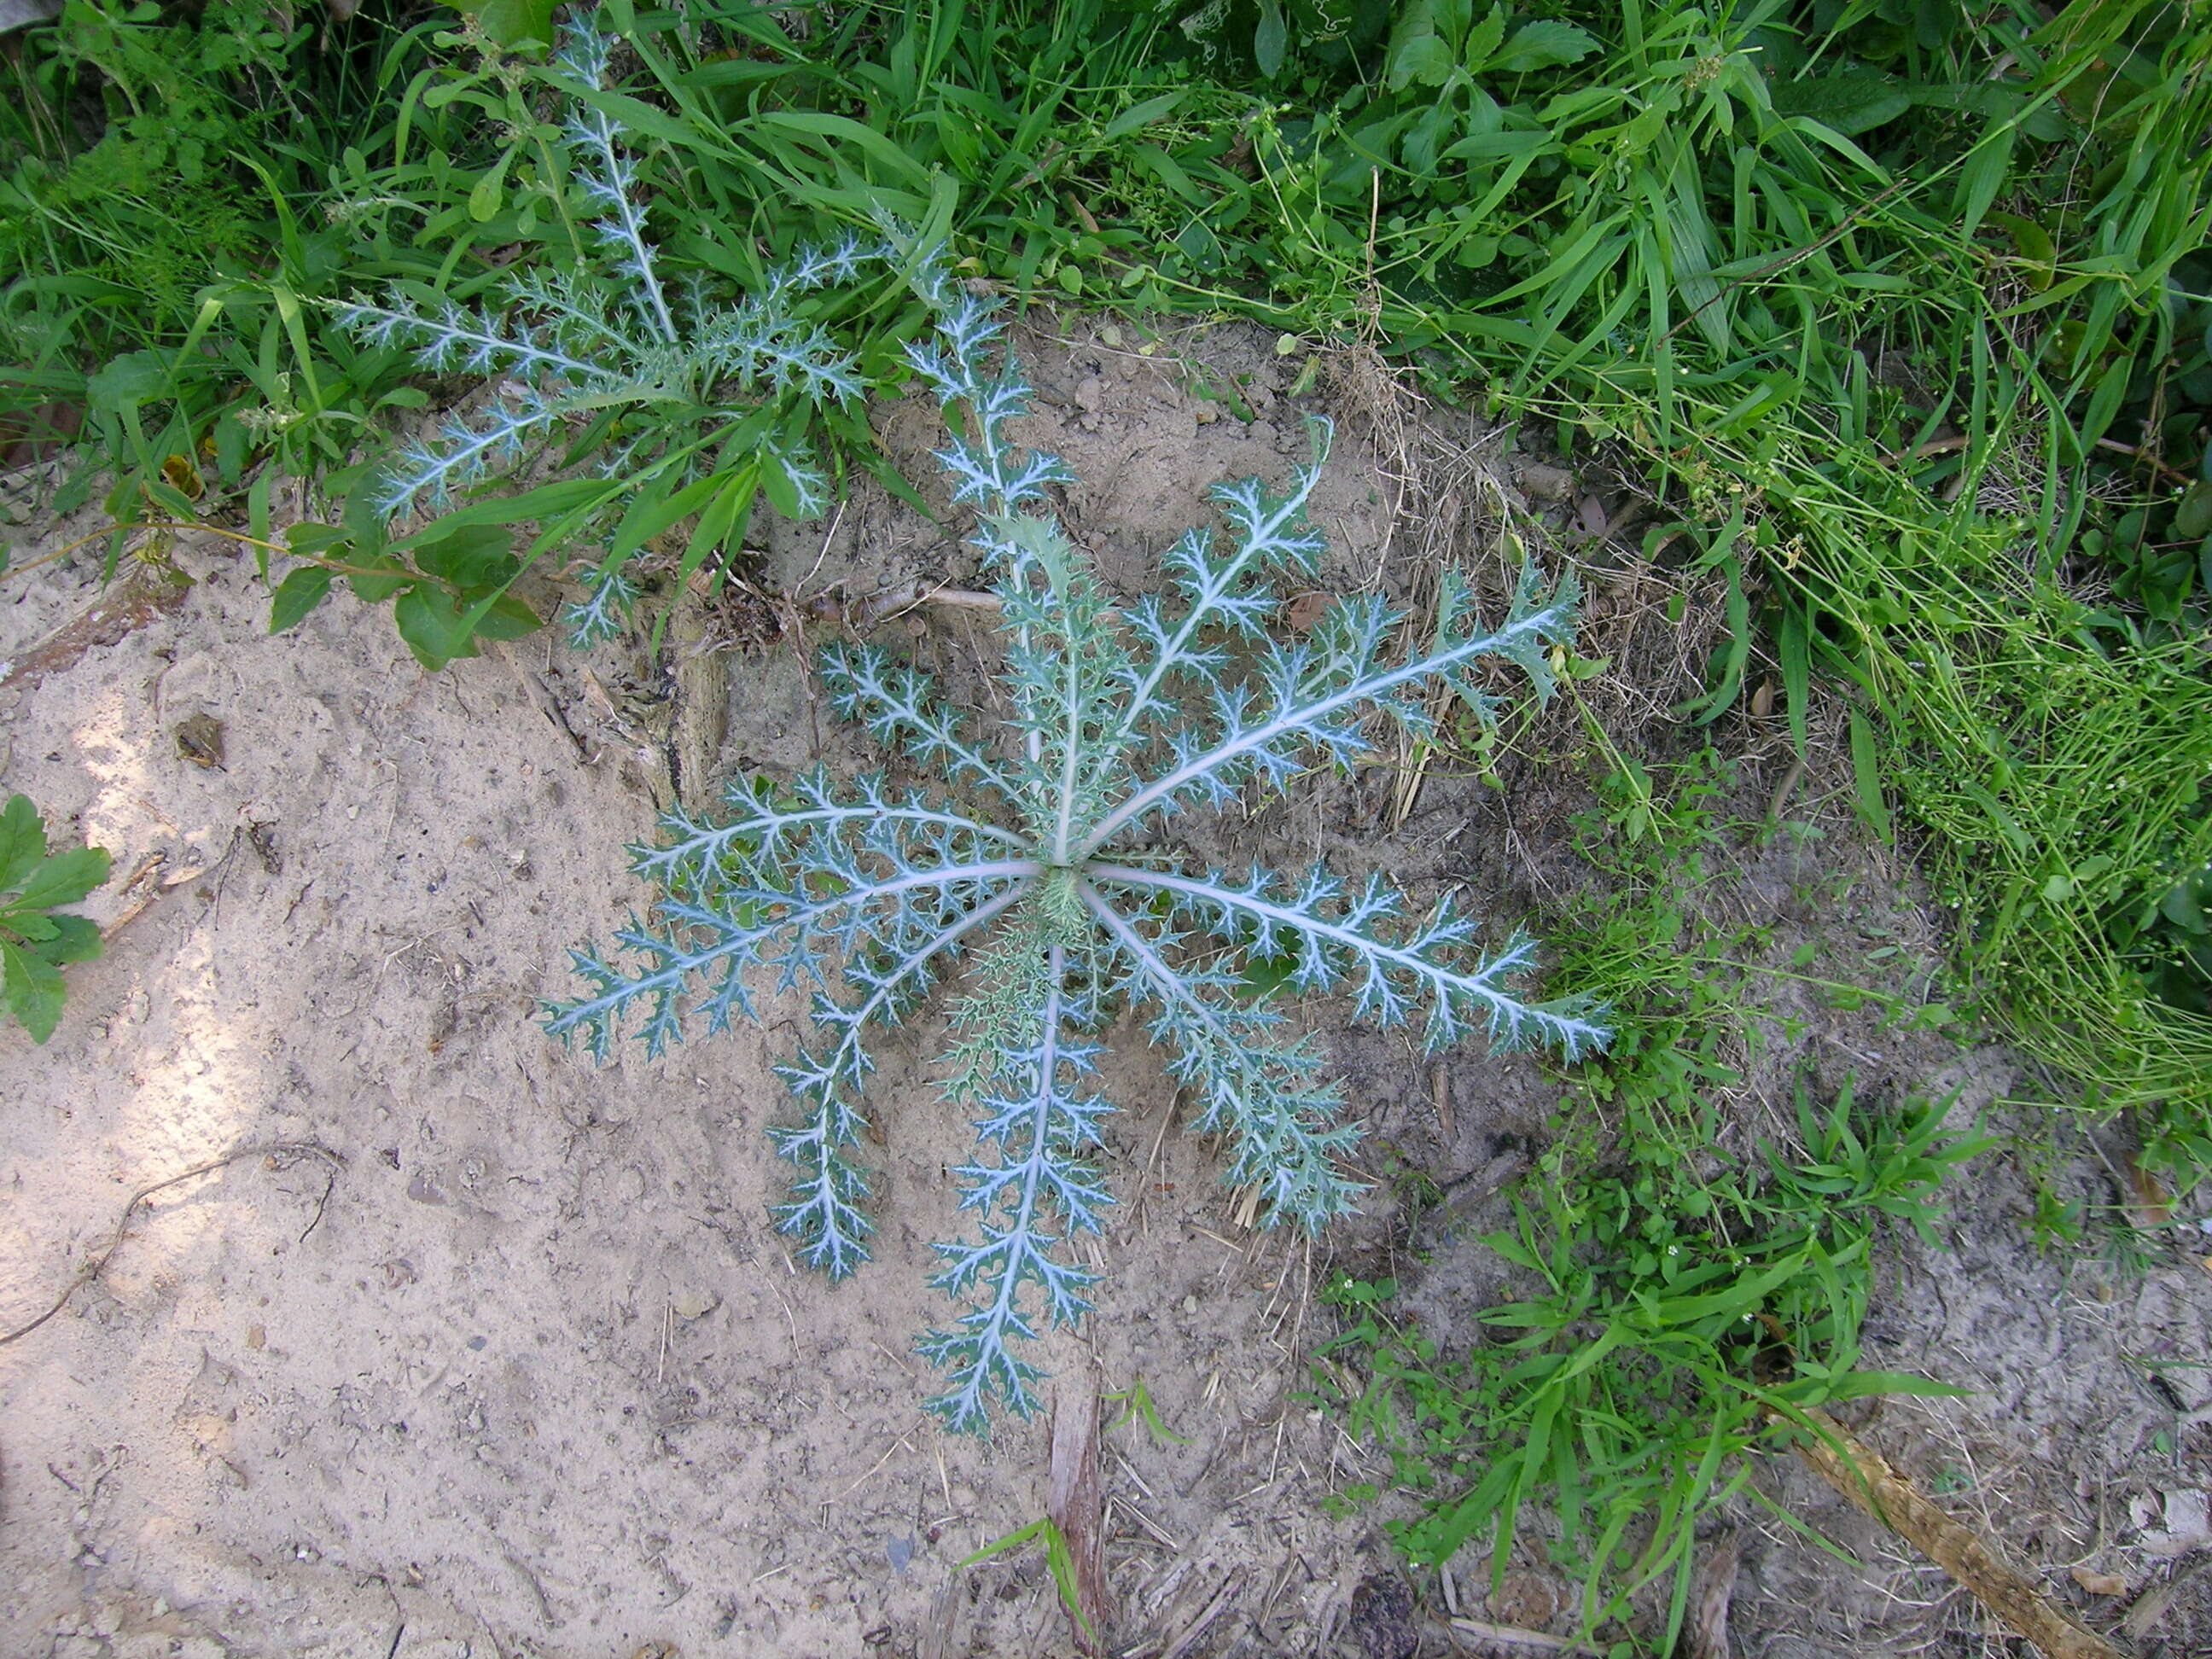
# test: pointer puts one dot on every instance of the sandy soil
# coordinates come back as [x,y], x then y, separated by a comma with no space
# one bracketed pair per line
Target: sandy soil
[466,1347]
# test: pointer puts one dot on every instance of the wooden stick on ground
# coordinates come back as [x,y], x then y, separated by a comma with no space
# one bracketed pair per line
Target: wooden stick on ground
[130,602]
[1076,1499]
[1864,1478]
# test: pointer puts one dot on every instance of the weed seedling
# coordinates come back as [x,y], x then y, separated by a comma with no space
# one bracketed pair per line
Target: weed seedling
[1141,1410]
[688,402]
[37,938]
[1059,1559]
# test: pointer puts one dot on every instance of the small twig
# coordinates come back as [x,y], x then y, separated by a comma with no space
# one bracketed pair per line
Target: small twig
[542,698]
[1224,1595]
[890,1452]
[2151,461]
[1783,791]
[330,1186]
[961,599]
[876,609]
[785,1306]
[1927,451]
[91,1269]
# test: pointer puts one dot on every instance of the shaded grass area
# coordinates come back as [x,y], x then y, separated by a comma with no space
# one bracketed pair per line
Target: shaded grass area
[2048,757]
[1685,1271]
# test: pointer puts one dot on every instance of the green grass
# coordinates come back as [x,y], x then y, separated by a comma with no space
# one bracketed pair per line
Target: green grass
[1679,1312]
[1671,1324]
[161,259]
[1986,267]
[1683,1292]
[2048,755]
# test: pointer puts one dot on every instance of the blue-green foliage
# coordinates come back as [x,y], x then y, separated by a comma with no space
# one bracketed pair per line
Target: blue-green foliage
[1045,861]
[614,339]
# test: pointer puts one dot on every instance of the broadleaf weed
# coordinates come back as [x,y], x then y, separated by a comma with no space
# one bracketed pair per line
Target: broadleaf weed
[37,938]
[1045,862]
[690,404]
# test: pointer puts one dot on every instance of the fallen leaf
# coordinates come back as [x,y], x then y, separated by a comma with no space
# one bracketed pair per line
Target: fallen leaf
[183,477]
[1540,483]
[693,1302]
[2100,1583]
[1525,1600]
[2188,1517]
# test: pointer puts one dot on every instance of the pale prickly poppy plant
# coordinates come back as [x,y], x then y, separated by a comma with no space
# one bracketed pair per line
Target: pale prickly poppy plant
[673,386]
[1036,866]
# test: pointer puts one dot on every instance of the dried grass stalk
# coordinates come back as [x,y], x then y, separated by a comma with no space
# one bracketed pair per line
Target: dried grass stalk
[1075,1500]
[1865,1479]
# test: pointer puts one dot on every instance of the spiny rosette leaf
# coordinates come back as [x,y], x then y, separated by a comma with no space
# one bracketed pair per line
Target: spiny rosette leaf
[1034,1176]
[1034,854]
